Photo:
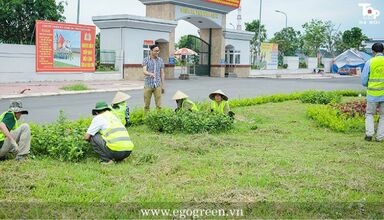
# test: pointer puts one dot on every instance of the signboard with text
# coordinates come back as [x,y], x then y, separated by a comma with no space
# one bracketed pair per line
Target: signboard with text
[65,47]
[229,3]
[269,56]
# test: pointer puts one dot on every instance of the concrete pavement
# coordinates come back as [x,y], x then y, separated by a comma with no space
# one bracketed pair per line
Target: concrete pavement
[38,89]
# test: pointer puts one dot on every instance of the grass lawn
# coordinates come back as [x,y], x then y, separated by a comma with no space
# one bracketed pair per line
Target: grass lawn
[276,163]
[75,87]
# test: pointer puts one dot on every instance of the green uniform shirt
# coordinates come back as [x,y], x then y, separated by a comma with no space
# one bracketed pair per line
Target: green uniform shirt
[9,121]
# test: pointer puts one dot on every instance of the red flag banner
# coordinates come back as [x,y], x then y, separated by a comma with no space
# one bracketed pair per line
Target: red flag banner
[230,3]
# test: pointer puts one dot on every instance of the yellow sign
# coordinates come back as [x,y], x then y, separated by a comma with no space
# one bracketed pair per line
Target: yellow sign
[199,13]
[230,3]
[269,56]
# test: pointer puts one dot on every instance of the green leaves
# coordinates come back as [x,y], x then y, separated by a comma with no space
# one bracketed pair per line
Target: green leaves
[17,18]
[288,40]
[187,122]
[320,97]
[62,140]
[332,118]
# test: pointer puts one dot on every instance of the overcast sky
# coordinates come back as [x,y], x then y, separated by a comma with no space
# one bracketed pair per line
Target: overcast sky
[346,13]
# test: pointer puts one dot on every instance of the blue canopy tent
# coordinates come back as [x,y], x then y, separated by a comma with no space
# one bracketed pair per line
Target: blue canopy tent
[350,59]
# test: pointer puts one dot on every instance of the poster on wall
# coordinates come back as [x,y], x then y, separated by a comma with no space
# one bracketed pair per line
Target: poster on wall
[269,56]
[230,3]
[65,47]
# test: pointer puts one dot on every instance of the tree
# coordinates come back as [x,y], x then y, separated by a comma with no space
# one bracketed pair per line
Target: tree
[253,26]
[188,42]
[288,40]
[333,38]
[353,38]
[17,18]
[314,36]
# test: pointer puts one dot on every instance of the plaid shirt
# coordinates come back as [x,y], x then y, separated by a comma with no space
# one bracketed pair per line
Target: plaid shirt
[153,66]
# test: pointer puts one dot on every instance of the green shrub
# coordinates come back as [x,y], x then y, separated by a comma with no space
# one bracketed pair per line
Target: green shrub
[332,118]
[137,117]
[63,140]
[350,93]
[303,65]
[75,87]
[320,97]
[263,99]
[168,121]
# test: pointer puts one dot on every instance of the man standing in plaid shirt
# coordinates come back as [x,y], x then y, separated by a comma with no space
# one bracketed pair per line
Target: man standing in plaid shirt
[153,68]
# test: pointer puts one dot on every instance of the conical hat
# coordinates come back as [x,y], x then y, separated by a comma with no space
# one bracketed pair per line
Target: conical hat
[212,95]
[120,97]
[179,95]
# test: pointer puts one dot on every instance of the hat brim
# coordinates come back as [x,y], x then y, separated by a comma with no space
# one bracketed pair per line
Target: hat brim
[212,96]
[101,109]
[120,97]
[23,112]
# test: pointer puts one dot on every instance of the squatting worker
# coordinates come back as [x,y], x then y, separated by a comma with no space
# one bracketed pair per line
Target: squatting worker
[120,107]
[14,138]
[183,102]
[108,136]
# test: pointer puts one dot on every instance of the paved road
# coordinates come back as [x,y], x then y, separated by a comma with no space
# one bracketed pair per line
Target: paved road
[46,109]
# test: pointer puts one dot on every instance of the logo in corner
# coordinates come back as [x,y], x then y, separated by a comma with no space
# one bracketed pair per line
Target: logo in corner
[370,14]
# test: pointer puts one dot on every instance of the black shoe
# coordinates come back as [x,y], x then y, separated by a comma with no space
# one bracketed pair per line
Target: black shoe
[368,138]
[4,158]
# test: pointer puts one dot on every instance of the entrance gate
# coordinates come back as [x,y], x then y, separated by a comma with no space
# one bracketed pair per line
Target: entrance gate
[202,62]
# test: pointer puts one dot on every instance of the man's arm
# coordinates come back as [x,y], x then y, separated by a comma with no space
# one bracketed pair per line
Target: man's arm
[5,131]
[146,73]
[365,74]
[226,108]
[87,137]
[162,75]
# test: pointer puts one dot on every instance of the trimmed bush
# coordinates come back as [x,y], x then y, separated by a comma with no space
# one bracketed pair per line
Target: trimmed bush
[137,117]
[332,118]
[320,97]
[63,140]
[187,122]
[263,99]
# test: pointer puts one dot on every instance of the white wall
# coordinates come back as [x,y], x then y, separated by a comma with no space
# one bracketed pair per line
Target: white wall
[132,42]
[244,48]
[114,34]
[327,64]
[18,65]
[293,62]
[312,62]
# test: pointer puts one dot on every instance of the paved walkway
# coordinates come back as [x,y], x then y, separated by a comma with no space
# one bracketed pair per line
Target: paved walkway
[19,90]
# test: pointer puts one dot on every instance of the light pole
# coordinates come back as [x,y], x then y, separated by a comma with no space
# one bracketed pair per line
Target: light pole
[258,36]
[78,10]
[286,17]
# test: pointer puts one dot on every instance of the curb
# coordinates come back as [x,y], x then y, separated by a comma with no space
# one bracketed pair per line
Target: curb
[69,92]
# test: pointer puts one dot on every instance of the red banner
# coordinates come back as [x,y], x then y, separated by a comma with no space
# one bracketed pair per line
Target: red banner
[64,47]
[230,3]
